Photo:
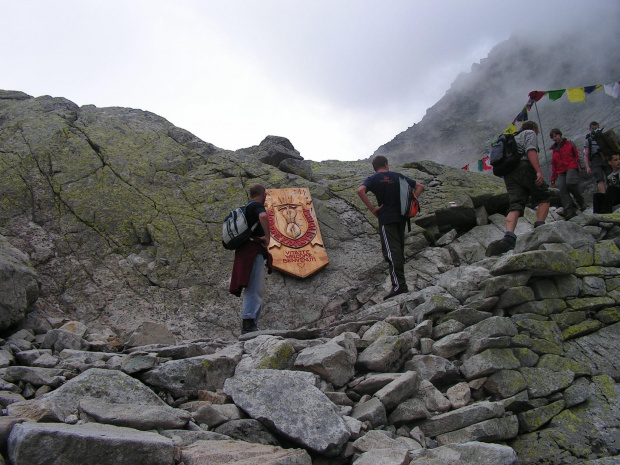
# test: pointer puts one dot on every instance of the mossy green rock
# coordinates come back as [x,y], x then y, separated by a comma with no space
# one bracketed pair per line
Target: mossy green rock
[534,419]
[547,330]
[606,253]
[539,262]
[566,319]
[606,271]
[538,346]
[556,363]
[581,329]
[590,303]
[609,315]
[574,436]
[505,383]
[121,212]
[542,382]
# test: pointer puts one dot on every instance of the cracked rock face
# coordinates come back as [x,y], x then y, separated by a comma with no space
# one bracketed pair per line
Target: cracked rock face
[120,214]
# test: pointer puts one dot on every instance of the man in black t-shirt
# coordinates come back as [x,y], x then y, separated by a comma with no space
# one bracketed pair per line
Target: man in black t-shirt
[249,266]
[385,185]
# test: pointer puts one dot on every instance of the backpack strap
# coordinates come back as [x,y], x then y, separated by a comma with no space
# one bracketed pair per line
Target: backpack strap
[255,225]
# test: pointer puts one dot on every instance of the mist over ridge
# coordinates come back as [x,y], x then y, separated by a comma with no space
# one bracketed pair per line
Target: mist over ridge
[482,103]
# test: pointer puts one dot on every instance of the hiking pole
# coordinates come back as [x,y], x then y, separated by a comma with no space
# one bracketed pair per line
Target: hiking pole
[543,139]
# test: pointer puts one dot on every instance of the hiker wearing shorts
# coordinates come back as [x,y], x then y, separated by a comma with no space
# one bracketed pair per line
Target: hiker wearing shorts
[385,185]
[596,164]
[525,183]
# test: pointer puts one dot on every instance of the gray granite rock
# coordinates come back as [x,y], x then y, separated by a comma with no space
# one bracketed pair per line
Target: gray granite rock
[322,429]
[88,443]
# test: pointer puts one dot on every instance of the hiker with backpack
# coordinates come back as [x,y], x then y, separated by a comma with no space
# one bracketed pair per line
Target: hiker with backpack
[604,203]
[596,163]
[565,167]
[249,265]
[385,185]
[524,183]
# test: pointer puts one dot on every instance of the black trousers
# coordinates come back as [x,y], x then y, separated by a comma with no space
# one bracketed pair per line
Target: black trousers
[393,248]
[604,203]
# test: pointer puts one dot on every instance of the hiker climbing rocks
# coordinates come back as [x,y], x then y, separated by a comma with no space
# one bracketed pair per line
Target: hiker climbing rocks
[249,266]
[524,183]
[565,167]
[385,185]
[604,203]
[594,159]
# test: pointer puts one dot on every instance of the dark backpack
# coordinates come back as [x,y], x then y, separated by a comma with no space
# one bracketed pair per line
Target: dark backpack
[505,155]
[409,205]
[607,142]
[235,230]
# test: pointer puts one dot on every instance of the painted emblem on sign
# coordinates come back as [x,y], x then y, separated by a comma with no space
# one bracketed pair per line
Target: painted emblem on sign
[296,244]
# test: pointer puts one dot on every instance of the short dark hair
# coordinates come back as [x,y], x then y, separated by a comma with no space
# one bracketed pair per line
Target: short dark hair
[256,190]
[379,162]
[555,131]
[529,125]
[594,123]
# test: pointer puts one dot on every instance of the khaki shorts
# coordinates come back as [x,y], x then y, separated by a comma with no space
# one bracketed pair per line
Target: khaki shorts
[521,188]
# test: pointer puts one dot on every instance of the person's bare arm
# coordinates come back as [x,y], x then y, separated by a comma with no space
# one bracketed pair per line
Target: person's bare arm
[417,190]
[361,191]
[264,222]
[533,156]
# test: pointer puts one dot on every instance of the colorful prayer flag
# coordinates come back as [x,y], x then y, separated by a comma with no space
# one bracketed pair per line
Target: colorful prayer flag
[510,129]
[576,94]
[536,95]
[613,90]
[485,164]
[523,115]
[590,89]
[556,94]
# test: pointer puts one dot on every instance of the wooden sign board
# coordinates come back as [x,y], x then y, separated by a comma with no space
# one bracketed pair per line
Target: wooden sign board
[296,243]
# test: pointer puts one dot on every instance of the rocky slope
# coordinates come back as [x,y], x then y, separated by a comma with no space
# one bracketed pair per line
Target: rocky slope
[120,214]
[482,103]
[119,338]
[497,361]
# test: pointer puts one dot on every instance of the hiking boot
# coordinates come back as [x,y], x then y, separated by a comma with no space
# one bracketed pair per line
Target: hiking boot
[248,326]
[501,246]
[394,293]
[570,215]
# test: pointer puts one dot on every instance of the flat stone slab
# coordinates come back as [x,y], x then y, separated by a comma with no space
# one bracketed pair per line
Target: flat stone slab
[460,418]
[539,262]
[226,452]
[87,443]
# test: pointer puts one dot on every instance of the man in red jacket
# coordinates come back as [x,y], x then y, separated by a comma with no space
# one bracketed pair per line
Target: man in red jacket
[565,167]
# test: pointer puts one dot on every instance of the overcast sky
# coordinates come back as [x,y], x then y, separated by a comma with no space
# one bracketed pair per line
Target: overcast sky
[337,78]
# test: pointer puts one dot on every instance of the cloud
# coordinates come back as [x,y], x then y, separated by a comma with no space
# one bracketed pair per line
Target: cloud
[338,78]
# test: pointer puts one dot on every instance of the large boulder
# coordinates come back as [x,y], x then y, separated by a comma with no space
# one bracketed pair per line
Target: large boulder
[19,285]
[289,403]
[88,443]
[107,385]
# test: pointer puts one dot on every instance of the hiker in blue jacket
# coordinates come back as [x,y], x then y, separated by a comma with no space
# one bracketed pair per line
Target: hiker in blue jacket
[385,185]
